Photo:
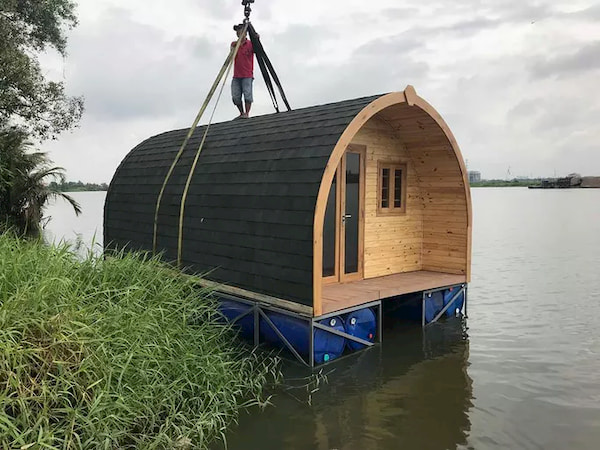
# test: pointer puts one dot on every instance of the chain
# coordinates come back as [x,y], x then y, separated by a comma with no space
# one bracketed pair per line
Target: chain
[247,9]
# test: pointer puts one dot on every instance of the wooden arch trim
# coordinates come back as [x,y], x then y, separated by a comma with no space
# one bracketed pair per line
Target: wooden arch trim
[410,97]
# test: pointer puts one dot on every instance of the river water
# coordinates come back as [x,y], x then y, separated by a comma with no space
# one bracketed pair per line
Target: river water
[522,373]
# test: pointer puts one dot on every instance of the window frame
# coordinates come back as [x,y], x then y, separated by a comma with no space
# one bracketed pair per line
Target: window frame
[393,167]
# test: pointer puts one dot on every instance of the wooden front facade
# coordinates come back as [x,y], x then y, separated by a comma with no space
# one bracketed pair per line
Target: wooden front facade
[431,231]
[309,207]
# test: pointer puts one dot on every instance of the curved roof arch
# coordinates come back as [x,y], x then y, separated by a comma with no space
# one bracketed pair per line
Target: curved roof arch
[432,129]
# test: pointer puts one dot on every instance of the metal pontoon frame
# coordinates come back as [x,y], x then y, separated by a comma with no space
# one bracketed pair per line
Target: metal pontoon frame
[462,289]
[257,310]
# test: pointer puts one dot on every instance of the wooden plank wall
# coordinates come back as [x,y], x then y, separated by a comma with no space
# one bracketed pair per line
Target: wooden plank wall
[445,216]
[393,244]
[445,210]
[433,234]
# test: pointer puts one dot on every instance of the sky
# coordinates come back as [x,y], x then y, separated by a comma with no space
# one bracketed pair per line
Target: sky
[516,80]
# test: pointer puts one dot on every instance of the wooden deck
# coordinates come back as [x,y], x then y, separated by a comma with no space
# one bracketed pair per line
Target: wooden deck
[341,296]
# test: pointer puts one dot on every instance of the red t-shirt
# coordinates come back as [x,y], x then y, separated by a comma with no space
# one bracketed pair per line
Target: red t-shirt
[244,61]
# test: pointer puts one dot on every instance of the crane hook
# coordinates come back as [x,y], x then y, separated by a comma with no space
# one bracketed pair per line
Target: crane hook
[247,9]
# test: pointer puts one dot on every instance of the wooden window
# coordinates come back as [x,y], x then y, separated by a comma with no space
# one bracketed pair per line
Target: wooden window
[391,195]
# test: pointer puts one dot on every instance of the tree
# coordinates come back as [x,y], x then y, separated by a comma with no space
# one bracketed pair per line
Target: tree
[24,188]
[27,99]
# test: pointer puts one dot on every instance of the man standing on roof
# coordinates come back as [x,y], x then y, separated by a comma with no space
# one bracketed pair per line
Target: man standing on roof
[243,73]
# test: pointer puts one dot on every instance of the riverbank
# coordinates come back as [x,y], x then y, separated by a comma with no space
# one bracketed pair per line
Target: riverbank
[78,186]
[506,183]
[573,181]
[115,353]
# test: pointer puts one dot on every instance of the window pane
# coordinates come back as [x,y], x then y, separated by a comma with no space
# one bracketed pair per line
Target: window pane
[329,233]
[398,188]
[385,188]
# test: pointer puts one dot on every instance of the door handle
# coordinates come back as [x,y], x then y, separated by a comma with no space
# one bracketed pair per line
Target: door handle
[346,216]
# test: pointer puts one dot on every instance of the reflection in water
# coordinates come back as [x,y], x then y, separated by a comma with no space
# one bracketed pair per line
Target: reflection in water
[411,392]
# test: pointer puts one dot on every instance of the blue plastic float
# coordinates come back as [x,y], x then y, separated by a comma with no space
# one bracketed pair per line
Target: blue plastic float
[458,302]
[363,325]
[327,346]
[434,303]
[232,310]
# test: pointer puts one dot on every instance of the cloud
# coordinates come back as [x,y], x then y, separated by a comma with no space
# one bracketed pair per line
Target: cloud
[526,108]
[514,92]
[127,69]
[518,11]
[467,28]
[221,9]
[394,46]
[300,43]
[94,151]
[584,59]
[591,14]
[397,13]
[378,66]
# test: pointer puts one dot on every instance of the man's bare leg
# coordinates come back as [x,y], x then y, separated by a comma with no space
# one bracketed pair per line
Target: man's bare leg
[248,106]
[241,109]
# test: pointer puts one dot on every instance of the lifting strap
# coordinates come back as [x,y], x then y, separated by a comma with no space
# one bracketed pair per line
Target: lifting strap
[223,73]
[267,69]
[193,168]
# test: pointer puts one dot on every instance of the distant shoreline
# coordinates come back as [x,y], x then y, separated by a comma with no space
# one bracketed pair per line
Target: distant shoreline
[83,190]
[573,181]
[504,183]
[78,186]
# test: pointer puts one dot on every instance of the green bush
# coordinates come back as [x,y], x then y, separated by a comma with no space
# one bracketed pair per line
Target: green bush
[115,353]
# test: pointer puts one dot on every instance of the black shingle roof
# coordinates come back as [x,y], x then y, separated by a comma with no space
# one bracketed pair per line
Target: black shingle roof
[250,208]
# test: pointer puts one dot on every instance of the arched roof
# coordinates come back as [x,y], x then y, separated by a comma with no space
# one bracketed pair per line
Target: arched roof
[250,209]
[255,208]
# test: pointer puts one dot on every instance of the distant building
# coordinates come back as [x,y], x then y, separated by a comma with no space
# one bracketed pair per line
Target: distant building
[474,176]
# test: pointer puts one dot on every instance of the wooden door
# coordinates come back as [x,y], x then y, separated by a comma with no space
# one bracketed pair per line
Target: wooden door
[343,227]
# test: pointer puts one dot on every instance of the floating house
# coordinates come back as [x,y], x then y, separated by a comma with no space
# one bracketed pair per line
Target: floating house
[307,222]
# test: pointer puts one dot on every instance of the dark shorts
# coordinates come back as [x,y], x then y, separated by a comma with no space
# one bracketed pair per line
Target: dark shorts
[241,86]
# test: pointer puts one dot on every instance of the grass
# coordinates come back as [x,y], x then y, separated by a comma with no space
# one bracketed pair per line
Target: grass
[116,353]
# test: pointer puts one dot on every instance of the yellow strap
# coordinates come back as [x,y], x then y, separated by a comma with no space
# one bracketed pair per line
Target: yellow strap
[226,67]
[193,168]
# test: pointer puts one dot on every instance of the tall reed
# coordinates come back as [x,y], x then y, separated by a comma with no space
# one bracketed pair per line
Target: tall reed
[115,353]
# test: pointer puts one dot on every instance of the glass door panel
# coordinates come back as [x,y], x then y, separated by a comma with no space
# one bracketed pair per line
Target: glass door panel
[351,218]
[329,232]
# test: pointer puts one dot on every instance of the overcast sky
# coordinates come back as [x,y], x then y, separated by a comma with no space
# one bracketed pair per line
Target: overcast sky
[516,80]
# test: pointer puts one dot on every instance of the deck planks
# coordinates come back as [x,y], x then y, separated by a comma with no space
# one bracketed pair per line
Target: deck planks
[337,297]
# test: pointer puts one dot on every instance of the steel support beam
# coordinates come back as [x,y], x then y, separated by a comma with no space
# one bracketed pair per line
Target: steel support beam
[283,338]
[256,310]
[445,308]
[380,322]
[241,316]
[342,334]
[311,345]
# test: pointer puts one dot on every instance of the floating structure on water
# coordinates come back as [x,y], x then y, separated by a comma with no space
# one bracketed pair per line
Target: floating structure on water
[572,181]
[311,225]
